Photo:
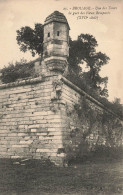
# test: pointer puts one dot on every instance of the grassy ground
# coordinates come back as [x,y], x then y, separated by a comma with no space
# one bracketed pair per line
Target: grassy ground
[87,178]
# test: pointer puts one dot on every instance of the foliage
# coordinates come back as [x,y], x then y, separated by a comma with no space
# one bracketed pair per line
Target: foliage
[83,121]
[16,71]
[87,114]
[31,39]
[91,128]
[117,108]
[83,50]
[111,125]
[112,128]
[114,106]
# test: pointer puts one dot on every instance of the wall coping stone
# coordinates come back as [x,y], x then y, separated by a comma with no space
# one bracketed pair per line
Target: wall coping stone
[23,82]
[83,93]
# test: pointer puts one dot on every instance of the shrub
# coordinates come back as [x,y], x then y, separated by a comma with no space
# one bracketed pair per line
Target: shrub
[19,70]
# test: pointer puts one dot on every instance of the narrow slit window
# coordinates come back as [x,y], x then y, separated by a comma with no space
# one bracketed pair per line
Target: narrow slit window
[58,33]
[48,34]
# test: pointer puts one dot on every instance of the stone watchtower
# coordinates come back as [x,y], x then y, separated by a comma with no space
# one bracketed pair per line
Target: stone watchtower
[56,42]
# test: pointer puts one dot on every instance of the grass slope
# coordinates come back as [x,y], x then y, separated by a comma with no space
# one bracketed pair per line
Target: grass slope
[87,178]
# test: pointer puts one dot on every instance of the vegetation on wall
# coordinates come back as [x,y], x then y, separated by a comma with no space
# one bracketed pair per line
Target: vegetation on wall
[82,122]
[112,128]
[19,70]
[93,130]
[115,106]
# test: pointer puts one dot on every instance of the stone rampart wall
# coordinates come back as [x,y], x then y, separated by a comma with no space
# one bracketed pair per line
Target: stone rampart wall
[86,131]
[28,127]
[38,120]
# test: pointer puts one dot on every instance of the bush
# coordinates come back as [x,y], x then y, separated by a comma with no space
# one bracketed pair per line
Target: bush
[19,70]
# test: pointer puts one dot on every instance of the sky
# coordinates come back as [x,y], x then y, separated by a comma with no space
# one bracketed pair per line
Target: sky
[106,28]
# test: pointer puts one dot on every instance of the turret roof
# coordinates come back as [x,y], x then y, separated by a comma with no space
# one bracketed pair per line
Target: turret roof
[56,16]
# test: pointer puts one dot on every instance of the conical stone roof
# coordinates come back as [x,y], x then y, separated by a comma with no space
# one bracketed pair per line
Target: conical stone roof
[56,16]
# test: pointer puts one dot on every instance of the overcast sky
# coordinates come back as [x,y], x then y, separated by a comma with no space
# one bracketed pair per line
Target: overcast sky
[107,29]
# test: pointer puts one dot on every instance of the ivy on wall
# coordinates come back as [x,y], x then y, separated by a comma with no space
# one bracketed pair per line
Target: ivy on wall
[90,127]
[112,128]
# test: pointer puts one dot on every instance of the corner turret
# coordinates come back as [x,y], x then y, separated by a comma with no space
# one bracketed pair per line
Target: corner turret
[56,42]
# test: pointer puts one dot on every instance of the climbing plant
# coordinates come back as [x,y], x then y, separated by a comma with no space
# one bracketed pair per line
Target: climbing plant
[112,128]
[89,128]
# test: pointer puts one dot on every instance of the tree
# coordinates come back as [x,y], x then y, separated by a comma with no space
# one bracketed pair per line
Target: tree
[31,39]
[84,50]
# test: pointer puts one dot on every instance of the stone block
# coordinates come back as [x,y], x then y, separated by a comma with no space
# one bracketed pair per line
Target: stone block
[20,146]
[45,150]
[33,130]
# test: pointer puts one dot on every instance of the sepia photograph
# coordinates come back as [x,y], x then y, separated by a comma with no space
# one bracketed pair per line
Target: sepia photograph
[61,97]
